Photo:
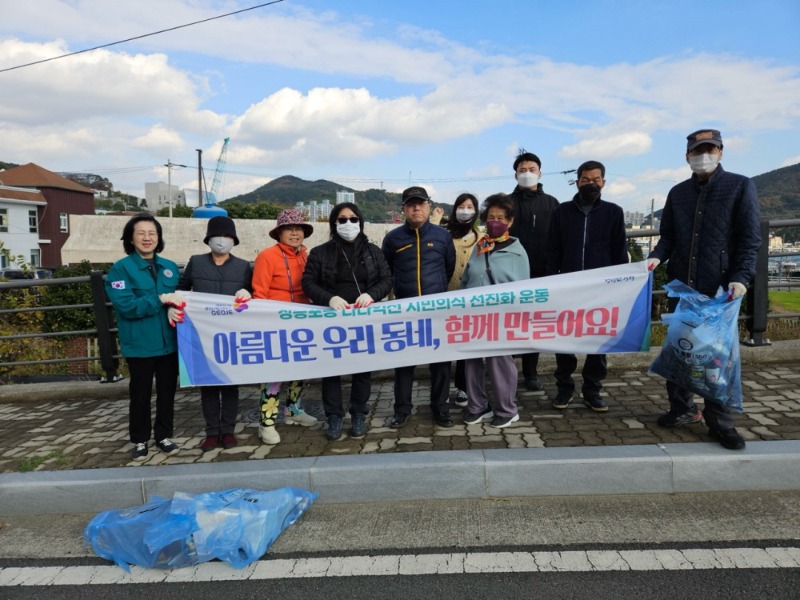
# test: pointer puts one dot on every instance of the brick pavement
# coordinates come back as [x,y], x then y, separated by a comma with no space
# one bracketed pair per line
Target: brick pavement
[92,433]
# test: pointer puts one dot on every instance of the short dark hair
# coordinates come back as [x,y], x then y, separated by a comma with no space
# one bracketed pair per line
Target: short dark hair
[127,233]
[497,201]
[591,165]
[524,156]
[337,208]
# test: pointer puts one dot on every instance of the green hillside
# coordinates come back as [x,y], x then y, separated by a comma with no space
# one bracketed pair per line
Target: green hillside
[376,205]
[779,193]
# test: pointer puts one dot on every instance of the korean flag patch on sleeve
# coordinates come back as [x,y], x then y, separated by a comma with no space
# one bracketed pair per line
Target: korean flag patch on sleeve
[118,285]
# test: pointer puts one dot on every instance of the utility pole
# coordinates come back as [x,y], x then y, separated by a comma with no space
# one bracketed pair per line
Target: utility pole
[652,223]
[199,177]
[169,166]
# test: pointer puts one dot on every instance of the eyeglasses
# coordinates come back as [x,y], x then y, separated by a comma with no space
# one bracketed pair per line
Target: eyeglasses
[343,220]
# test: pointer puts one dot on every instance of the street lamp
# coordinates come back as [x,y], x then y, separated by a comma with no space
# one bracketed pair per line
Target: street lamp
[169,166]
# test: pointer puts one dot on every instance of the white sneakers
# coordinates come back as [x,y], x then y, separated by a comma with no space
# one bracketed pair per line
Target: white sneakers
[269,435]
[298,417]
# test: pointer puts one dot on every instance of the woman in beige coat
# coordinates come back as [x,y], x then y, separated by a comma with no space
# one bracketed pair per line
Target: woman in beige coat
[463,226]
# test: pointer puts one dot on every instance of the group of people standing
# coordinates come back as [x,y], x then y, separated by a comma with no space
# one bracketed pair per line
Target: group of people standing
[709,235]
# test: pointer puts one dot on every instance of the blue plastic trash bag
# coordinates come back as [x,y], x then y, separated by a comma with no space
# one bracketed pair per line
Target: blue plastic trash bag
[701,351]
[236,525]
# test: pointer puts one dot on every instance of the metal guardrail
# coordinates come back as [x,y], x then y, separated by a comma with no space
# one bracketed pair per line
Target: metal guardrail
[756,307]
[105,333]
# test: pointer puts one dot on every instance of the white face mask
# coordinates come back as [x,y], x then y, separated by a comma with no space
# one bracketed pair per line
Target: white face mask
[348,231]
[527,179]
[704,164]
[464,215]
[220,244]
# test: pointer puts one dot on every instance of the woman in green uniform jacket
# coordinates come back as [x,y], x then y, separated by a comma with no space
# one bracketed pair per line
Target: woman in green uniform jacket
[141,287]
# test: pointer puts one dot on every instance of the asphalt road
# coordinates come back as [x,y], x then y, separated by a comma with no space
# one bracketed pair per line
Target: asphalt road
[650,546]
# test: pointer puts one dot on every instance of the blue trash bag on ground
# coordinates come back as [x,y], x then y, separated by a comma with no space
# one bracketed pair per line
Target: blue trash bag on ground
[701,350]
[236,526]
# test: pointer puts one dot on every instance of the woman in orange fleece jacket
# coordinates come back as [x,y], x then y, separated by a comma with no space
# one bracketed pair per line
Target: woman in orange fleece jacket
[278,275]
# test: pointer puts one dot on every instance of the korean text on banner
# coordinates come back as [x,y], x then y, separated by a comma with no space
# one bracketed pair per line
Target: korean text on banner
[598,311]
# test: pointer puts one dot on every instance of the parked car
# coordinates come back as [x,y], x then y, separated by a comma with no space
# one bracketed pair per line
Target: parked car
[10,274]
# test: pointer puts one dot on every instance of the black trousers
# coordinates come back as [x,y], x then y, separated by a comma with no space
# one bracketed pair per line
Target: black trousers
[440,388]
[716,415]
[142,370]
[530,365]
[460,378]
[595,369]
[360,389]
[220,406]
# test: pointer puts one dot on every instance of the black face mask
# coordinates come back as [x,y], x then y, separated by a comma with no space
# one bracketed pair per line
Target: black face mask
[589,193]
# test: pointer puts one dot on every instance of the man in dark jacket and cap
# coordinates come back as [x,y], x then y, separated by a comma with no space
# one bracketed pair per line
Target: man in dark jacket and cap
[219,272]
[422,258]
[710,235]
[532,209]
[587,233]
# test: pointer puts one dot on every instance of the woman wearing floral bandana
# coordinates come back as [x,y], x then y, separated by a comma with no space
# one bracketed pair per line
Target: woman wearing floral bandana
[498,258]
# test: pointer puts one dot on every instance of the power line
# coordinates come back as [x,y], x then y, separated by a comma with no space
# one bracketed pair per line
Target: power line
[139,37]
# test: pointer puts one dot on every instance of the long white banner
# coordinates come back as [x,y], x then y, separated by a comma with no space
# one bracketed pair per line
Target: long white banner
[599,311]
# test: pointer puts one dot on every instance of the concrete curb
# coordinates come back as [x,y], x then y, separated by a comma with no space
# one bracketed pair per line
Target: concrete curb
[657,469]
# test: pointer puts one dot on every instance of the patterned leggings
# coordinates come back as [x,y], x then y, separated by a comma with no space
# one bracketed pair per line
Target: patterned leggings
[270,402]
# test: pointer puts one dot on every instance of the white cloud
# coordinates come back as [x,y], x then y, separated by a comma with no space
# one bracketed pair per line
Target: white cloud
[163,140]
[406,88]
[791,161]
[618,189]
[612,146]
[331,124]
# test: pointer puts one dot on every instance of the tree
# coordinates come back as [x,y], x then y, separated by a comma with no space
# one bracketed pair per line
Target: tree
[179,211]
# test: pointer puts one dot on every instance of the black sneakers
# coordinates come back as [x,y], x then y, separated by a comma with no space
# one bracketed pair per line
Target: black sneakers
[728,438]
[358,426]
[503,422]
[334,428]
[398,420]
[473,418]
[443,419]
[676,418]
[596,403]
[534,384]
[562,400]
[167,446]
[139,451]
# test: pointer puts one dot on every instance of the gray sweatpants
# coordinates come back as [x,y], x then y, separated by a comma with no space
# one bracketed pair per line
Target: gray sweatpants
[503,374]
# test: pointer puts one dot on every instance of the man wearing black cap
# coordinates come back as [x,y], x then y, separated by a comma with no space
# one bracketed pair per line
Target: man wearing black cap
[422,258]
[219,272]
[710,236]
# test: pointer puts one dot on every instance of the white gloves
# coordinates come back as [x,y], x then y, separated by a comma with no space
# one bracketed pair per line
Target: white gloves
[652,263]
[175,315]
[337,303]
[243,296]
[174,299]
[736,290]
[364,300]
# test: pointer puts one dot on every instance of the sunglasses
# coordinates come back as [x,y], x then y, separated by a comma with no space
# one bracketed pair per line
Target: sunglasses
[343,220]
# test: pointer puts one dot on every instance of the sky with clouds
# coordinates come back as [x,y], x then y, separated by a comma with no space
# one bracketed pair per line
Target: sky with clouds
[386,94]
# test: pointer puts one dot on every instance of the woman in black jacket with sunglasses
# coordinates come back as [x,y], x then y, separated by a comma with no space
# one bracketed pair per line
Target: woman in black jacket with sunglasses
[346,271]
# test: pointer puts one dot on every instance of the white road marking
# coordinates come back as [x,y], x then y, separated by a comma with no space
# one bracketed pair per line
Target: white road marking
[418,564]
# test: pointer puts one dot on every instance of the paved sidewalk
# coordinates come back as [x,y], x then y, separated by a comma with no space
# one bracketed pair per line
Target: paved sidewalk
[74,438]
[92,432]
